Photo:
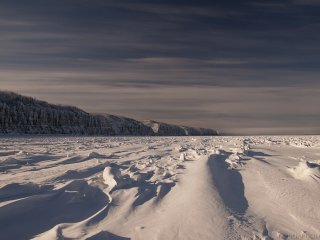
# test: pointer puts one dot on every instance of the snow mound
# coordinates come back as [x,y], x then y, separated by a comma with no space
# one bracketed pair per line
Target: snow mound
[15,190]
[109,176]
[97,155]
[33,215]
[306,170]
[229,183]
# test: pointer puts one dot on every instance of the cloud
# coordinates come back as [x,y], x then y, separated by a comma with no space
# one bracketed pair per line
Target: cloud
[187,61]
[224,108]
[307,2]
[156,59]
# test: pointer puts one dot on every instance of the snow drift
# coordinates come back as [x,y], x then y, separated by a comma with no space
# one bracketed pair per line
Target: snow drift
[162,188]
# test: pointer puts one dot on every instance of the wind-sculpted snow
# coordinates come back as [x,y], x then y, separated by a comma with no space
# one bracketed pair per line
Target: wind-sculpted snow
[160,188]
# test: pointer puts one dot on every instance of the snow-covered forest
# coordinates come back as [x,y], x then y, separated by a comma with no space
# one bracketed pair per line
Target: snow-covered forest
[25,115]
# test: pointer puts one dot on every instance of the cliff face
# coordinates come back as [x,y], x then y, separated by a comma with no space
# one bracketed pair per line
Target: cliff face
[25,115]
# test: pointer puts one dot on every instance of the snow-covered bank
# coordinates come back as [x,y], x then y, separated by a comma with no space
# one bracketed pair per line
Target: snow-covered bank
[160,188]
[25,115]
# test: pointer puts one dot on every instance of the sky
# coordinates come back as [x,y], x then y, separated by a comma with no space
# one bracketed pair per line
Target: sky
[242,67]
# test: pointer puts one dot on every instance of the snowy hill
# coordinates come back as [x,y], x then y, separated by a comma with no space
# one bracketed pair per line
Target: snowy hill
[25,115]
[163,129]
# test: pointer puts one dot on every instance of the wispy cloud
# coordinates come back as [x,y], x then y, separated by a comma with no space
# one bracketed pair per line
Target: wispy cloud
[135,52]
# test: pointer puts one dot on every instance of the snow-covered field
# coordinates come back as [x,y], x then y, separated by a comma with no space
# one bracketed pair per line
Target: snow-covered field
[160,188]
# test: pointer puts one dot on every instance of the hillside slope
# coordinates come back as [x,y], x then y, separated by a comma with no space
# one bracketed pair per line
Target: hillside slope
[26,115]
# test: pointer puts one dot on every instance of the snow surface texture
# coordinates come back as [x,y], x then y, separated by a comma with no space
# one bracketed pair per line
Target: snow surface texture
[160,188]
